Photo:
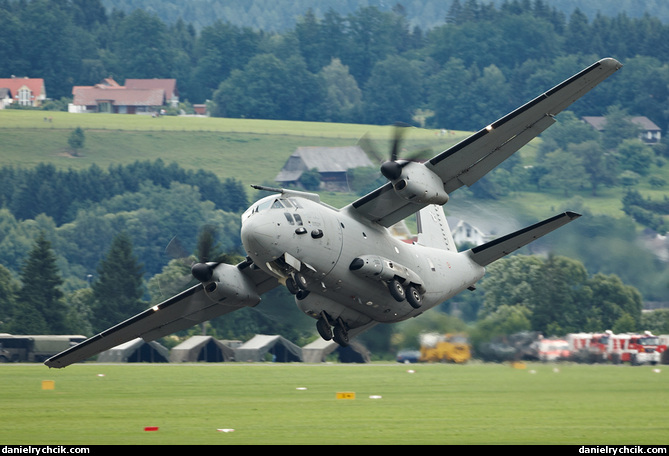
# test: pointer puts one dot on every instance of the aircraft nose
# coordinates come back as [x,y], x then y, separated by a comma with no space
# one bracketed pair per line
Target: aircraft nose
[258,236]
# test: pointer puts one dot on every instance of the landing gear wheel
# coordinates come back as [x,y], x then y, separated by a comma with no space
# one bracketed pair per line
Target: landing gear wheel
[340,335]
[292,285]
[301,280]
[301,294]
[396,290]
[324,329]
[414,297]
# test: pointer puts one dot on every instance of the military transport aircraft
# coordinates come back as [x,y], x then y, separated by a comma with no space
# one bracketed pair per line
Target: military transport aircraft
[344,267]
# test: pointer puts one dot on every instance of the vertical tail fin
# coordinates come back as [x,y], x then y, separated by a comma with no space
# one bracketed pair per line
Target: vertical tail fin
[433,229]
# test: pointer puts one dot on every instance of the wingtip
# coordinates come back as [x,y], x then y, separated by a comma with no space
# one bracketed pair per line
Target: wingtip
[572,215]
[612,63]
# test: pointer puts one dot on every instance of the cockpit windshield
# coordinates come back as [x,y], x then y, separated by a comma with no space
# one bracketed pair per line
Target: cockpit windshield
[268,203]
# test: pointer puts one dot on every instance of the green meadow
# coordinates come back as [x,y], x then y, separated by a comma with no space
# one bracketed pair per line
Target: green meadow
[245,149]
[267,403]
[251,151]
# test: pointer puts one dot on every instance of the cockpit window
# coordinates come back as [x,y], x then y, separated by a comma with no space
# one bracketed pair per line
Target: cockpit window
[274,204]
[296,203]
[263,205]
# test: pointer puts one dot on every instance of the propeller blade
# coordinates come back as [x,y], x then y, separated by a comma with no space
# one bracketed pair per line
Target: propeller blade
[397,140]
[175,249]
[366,145]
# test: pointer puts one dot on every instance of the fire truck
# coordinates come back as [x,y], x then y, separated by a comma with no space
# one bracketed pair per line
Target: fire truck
[617,348]
[552,349]
[635,348]
[588,347]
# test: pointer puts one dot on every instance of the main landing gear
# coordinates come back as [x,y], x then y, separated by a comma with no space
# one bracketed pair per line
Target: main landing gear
[409,293]
[332,330]
[327,328]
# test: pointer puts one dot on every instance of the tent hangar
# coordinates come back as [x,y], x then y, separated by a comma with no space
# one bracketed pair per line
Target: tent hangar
[136,351]
[318,350]
[201,348]
[256,349]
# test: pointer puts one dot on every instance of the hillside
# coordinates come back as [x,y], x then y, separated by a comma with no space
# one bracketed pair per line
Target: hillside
[252,151]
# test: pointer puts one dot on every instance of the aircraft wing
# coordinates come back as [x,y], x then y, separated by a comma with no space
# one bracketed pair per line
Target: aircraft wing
[236,287]
[468,161]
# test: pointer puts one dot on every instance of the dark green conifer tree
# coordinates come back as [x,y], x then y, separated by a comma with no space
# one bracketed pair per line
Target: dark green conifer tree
[40,308]
[118,289]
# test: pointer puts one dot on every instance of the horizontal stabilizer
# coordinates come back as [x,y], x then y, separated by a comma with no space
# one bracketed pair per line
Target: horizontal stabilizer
[485,254]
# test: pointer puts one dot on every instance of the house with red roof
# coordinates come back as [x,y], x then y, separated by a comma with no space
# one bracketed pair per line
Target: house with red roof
[137,96]
[23,91]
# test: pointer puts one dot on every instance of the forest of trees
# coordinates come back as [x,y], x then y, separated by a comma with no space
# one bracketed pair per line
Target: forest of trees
[282,15]
[368,66]
[70,231]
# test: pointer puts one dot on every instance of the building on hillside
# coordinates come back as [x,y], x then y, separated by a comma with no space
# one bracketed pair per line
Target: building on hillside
[22,91]
[650,133]
[167,85]
[465,234]
[332,164]
[138,96]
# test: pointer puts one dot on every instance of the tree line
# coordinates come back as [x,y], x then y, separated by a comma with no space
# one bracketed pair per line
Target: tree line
[368,66]
[81,211]
[281,15]
[59,194]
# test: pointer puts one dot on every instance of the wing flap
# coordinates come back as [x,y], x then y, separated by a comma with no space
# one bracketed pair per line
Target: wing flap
[485,254]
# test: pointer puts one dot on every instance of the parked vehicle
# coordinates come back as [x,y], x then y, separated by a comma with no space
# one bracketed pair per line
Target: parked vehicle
[452,348]
[34,348]
[408,356]
[617,348]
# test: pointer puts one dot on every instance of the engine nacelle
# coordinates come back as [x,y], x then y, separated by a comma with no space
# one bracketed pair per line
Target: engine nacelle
[383,269]
[230,282]
[419,184]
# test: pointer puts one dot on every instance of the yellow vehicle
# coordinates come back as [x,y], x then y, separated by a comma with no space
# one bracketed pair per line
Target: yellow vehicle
[447,348]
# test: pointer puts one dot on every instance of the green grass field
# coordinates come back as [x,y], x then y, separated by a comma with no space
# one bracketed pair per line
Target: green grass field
[251,151]
[269,403]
